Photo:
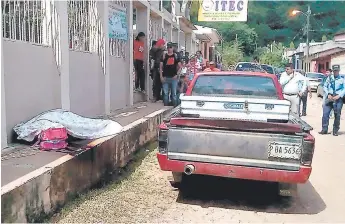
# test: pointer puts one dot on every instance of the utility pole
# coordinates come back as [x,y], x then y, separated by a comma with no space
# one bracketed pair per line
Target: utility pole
[308,30]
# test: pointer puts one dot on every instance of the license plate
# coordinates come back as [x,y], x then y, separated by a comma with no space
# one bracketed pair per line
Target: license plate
[284,150]
[234,106]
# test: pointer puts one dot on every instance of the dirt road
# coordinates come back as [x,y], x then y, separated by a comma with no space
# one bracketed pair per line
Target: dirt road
[146,196]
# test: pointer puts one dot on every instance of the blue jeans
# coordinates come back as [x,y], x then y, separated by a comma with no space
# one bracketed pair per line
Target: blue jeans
[303,99]
[336,107]
[169,84]
[323,104]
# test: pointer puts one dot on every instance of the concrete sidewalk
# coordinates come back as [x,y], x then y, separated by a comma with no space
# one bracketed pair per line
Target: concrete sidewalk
[35,183]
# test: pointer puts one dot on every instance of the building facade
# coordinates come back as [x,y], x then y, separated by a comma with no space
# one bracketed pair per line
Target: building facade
[322,55]
[64,54]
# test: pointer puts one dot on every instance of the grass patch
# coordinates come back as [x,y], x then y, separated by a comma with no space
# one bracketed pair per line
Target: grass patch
[116,180]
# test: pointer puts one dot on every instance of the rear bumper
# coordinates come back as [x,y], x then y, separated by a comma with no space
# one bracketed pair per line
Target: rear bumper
[240,172]
[314,86]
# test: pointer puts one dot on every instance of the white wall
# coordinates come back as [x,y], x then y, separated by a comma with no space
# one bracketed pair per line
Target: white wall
[31,80]
[87,84]
[339,59]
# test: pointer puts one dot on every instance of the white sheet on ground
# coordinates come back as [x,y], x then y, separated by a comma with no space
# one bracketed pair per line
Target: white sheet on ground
[77,126]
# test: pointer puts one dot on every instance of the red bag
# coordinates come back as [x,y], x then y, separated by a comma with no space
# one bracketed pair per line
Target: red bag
[53,138]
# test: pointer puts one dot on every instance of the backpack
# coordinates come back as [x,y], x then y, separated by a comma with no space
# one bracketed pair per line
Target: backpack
[52,139]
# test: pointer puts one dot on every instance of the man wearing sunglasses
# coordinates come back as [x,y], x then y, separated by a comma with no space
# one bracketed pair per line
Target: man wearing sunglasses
[169,68]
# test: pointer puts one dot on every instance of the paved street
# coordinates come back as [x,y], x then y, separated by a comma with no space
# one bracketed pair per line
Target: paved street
[146,196]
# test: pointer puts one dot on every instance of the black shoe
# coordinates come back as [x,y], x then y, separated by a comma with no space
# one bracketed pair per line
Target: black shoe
[304,114]
[335,133]
[323,132]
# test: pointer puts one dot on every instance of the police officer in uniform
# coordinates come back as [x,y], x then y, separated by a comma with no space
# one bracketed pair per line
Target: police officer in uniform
[334,88]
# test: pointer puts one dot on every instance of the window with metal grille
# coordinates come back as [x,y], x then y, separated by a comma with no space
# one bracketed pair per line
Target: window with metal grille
[24,20]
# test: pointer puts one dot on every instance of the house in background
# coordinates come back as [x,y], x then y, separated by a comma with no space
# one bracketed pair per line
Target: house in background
[322,55]
[329,53]
[209,38]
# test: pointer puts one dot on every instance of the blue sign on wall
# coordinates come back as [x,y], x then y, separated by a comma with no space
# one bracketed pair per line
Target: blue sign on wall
[118,24]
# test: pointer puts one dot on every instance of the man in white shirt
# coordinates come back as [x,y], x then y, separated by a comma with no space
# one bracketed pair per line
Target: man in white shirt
[294,85]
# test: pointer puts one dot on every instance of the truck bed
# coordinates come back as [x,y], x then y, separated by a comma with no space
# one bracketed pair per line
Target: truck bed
[304,126]
[235,142]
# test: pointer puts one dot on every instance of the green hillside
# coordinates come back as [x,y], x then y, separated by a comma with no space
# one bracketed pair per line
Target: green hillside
[269,21]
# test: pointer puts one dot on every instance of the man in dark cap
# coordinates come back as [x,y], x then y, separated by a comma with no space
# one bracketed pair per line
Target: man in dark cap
[170,66]
[156,54]
[334,89]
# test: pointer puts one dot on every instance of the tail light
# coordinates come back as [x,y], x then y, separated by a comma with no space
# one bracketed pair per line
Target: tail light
[308,149]
[162,138]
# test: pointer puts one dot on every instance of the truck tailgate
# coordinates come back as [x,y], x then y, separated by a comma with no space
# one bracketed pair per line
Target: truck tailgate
[256,149]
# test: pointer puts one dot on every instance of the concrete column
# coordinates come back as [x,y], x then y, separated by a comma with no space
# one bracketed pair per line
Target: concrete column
[62,10]
[174,35]
[193,47]
[169,30]
[182,39]
[162,28]
[105,21]
[207,50]
[189,43]
[130,49]
[3,99]
[143,21]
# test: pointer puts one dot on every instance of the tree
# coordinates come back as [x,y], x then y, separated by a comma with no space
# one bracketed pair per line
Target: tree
[292,45]
[232,53]
[274,57]
[246,36]
[324,38]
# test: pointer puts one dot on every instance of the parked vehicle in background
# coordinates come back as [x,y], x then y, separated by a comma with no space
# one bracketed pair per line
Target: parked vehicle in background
[249,66]
[319,90]
[279,72]
[268,68]
[236,125]
[301,71]
[314,79]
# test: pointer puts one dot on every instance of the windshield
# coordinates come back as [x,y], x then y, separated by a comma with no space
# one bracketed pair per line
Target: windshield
[247,66]
[281,70]
[268,69]
[315,75]
[235,85]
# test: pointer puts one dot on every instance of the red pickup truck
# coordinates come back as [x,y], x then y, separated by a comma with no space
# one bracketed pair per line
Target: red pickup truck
[236,125]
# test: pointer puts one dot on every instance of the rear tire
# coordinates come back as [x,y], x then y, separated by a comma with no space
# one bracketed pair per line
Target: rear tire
[175,179]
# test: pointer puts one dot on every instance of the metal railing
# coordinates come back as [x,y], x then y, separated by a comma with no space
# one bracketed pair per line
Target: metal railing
[25,21]
[85,28]
[34,22]
[154,29]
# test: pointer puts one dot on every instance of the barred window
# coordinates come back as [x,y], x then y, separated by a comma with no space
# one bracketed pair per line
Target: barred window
[84,26]
[154,29]
[24,20]
[85,29]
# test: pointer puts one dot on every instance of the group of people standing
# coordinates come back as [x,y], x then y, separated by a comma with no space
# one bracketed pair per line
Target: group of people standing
[171,70]
[296,89]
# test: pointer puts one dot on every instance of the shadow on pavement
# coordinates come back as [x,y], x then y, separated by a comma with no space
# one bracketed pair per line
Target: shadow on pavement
[207,191]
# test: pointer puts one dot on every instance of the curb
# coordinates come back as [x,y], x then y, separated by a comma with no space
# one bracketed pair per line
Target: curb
[37,195]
